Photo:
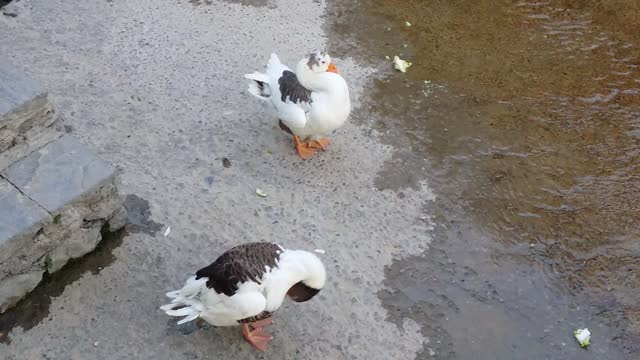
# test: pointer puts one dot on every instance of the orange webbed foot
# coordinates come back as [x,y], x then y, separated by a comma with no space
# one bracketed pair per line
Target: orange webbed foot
[303,149]
[261,324]
[257,338]
[320,144]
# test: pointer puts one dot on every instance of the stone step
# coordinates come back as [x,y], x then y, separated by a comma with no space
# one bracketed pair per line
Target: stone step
[32,140]
[59,173]
[24,105]
[56,195]
[55,203]
[20,220]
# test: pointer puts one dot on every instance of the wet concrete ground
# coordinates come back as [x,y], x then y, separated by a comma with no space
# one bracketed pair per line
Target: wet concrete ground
[524,117]
[521,117]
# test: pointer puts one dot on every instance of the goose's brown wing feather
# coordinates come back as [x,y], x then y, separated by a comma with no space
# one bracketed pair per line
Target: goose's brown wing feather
[240,264]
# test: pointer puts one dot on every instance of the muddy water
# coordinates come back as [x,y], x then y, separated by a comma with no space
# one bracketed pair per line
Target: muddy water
[525,117]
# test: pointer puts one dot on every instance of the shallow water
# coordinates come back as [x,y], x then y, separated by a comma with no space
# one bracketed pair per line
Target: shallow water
[525,117]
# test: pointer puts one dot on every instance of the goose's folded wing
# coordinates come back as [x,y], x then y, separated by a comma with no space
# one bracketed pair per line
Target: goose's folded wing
[292,90]
[243,263]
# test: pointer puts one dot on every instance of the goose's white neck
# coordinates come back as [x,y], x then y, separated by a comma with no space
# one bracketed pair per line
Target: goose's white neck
[303,266]
[294,266]
[315,81]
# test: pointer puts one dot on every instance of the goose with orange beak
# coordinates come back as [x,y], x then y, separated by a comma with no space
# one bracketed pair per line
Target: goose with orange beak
[245,286]
[311,102]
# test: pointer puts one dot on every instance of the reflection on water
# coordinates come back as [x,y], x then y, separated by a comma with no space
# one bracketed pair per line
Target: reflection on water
[526,118]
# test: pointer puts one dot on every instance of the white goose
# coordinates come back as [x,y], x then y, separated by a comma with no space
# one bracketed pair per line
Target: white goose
[311,103]
[246,285]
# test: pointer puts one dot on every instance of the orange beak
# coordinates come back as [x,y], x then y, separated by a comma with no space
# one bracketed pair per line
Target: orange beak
[332,68]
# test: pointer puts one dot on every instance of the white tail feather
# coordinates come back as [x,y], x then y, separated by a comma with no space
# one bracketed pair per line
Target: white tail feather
[189,318]
[173,294]
[274,60]
[185,311]
[185,300]
[167,307]
[259,87]
[257,76]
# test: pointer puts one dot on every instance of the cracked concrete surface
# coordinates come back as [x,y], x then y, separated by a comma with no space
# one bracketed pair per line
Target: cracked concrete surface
[156,88]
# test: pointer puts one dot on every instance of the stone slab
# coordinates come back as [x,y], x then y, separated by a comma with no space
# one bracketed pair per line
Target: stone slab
[18,214]
[59,173]
[36,138]
[18,91]
[13,288]
[24,105]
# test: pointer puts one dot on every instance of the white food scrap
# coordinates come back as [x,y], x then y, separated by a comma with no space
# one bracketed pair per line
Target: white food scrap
[407,23]
[320,251]
[166,232]
[400,65]
[261,193]
[583,336]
